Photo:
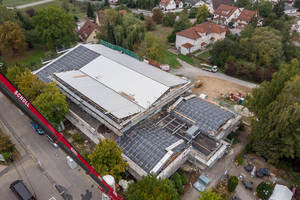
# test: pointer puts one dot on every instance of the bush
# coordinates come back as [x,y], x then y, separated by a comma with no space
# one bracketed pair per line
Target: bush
[169,19]
[239,159]
[232,182]
[149,23]
[264,190]
[5,144]
[179,180]
[172,37]
[77,137]
[7,156]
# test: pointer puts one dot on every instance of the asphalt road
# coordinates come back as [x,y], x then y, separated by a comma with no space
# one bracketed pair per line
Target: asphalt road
[53,160]
[192,72]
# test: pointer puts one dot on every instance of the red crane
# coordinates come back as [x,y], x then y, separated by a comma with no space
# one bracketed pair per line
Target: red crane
[8,89]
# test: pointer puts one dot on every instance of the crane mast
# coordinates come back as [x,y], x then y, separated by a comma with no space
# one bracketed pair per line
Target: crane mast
[8,89]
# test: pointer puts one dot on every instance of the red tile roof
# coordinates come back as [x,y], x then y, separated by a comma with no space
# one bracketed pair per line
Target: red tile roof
[225,10]
[187,45]
[165,2]
[86,30]
[205,27]
[217,3]
[247,15]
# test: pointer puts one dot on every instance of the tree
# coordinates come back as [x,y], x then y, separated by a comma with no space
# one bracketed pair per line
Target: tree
[90,11]
[154,47]
[12,38]
[149,23]
[297,4]
[233,181]
[202,13]
[169,19]
[30,12]
[55,27]
[150,188]
[7,15]
[275,132]
[5,144]
[193,12]
[182,23]
[264,8]
[29,85]
[157,16]
[107,159]
[65,5]
[13,73]
[52,104]
[242,3]
[209,195]
[278,8]
[264,190]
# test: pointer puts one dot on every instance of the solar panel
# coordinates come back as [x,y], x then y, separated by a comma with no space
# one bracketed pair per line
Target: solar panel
[73,60]
[145,144]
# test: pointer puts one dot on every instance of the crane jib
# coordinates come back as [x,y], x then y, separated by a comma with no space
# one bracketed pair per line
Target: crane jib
[20,100]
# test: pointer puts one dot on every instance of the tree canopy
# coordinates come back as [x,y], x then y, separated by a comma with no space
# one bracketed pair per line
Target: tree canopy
[276,104]
[107,159]
[52,104]
[7,15]
[157,15]
[54,26]
[202,13]
[12,38]
[151,188]
[209,195]
[154,47]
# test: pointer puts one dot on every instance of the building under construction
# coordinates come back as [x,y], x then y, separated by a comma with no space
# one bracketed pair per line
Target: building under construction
[149,112]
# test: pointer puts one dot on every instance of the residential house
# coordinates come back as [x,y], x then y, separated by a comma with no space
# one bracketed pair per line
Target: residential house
[244,18]
[296,26]
[198,37]
[170,4]
[225,14]
[194,3]
[290,10]
[113,1]
[88,32]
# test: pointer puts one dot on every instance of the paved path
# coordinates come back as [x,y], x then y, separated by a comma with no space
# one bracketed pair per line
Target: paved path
[31,4]
[193,72]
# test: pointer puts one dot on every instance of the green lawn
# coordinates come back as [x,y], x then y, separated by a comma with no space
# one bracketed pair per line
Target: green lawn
[45,5]
[13,3]
[204,56]
[187,59]
[170,59]
[162,33]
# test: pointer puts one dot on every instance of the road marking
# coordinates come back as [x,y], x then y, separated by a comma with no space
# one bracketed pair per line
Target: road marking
[52,198]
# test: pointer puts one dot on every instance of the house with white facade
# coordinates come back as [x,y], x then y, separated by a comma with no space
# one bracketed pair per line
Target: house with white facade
[194,3]
[296,25]
[170,4]
[290,10]
[225,14]
[198,37]
[244,18]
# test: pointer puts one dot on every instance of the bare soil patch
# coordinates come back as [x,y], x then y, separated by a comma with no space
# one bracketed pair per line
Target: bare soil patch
[214,87]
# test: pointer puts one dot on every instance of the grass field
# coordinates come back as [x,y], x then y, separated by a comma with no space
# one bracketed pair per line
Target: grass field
[13,3]
[162,33]
[204,56]
[45,5]
[170,59]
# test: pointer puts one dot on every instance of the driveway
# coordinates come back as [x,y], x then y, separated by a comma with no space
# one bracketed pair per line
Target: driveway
[52,160]
[31,4]
[193,72]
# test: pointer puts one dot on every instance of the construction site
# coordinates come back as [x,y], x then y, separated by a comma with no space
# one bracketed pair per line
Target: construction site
[152,115]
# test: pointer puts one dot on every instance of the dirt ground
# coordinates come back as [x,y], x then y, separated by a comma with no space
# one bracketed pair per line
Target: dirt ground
[214,87]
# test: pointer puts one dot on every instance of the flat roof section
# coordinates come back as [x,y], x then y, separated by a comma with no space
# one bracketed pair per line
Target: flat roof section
[143,68]
[146,143]
[76,58]
[101,95]
[134,86]
[207,116]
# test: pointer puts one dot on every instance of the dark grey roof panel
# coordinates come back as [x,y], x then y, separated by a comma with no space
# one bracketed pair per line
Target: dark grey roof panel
[145,144]
[207,116]
[72,60]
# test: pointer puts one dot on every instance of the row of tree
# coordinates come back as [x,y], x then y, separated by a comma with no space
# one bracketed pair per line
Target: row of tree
[144,4]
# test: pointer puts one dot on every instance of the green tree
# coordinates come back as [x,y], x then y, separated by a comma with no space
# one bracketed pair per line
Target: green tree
[209,195]
[107,159]
[193,12]
[149,23]
[297,4]
[52,104]
[202,13]
[12,38]
[242,3]
[278,8]
[169,19]
[232,183]
[157,16]
[65,5]
[154,47]
[55,27]
[5,144]
[264,190]
[151,188]
[90,11]
[264,8]
[13,73]
[29,85]
[275,132]
[7,15]
[182,23]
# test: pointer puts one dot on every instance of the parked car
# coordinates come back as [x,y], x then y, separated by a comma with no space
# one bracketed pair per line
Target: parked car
[21,191]
[261,172]
[249,168]
[235,198]
[248,184]
[52,142]
[37,128]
